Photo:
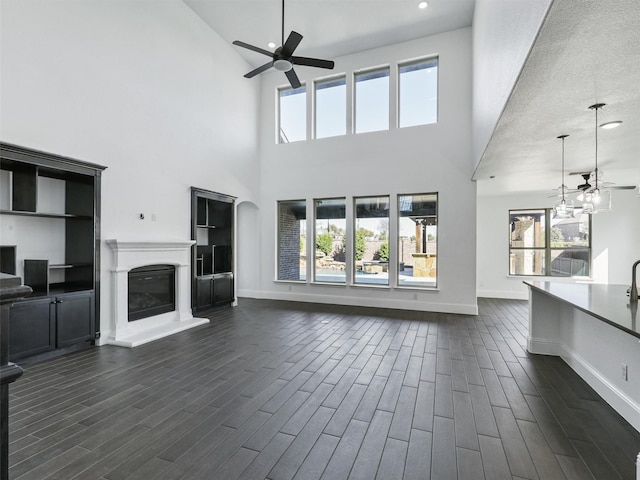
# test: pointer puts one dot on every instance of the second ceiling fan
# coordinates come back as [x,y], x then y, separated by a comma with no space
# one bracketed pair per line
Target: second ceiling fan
[282,58]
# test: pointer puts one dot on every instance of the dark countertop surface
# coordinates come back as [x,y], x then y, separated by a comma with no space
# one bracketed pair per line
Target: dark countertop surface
[609,303]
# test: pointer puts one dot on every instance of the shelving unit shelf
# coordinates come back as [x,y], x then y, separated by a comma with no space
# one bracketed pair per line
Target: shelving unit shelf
[212,222]
[50,211]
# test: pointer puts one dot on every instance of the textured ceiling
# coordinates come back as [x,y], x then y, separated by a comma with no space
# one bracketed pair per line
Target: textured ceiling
[587,52]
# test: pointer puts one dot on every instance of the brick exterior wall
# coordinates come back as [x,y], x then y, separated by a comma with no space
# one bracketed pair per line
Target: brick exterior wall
[288,245]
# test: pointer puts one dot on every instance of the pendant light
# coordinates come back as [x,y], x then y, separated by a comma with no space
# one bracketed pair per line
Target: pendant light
[563,208]
[596,199]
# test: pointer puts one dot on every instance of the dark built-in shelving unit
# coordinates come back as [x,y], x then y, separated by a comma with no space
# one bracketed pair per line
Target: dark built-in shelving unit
[62,313]
[212,221]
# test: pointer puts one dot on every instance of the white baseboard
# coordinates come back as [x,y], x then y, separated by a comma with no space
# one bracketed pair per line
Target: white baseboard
[543,346]
[416,305]
[626,406]
[506,294]
[250,294]
[619,401]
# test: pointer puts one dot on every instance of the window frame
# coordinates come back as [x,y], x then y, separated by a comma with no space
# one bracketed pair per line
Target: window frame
[326,80]
[410,63]
[354,96]
[314,240]
[279,131]
[547,249]
[400,285]
[354,240]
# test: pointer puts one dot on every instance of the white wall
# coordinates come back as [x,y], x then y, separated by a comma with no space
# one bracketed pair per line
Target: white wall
[615,244]
[142,87]
[431,158]
[503,33]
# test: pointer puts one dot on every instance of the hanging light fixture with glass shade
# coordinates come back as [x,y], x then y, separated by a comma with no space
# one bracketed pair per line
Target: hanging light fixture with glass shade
[563,208]
[596,199]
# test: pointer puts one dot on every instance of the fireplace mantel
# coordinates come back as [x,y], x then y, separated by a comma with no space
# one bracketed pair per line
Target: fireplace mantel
[128,255]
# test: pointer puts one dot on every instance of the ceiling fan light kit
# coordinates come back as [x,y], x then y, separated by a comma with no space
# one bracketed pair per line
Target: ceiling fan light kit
[593,194]
[282,58]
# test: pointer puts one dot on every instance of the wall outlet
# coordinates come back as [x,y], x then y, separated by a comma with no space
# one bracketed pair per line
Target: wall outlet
[624,372]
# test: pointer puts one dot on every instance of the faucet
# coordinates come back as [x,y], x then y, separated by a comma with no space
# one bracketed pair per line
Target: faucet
[633,291]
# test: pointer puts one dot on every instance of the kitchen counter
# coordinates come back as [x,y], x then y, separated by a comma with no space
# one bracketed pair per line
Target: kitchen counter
[596,332]
[609,303]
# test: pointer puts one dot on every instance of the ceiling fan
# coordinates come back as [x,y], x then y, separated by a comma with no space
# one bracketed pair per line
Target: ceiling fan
[590,177]
[282,58]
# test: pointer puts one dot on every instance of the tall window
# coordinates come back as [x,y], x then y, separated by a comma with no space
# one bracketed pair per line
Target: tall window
[372,100]
[417,240]
[331,107]
[330,223]
[292,114]
[292,255]
[541,245]
[371,240]
[418,93]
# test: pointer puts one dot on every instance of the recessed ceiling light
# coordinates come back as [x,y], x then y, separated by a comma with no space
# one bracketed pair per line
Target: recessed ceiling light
[423,5]
[271,45]
[609,125]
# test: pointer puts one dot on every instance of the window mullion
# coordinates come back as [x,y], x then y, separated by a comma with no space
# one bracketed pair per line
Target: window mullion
[547,242]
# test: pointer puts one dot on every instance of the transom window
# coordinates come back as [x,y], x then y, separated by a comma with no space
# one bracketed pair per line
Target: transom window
[331,107]
[292,112]
[416,84]
[540,245]
[418,93]
[372,100]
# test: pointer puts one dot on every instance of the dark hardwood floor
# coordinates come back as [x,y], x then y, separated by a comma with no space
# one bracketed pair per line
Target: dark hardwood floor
[285,390]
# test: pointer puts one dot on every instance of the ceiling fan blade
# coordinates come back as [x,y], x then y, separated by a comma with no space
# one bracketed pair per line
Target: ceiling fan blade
[290,45]
[251,47]
[258,70]
[313,62]
[621,187]
[293,78]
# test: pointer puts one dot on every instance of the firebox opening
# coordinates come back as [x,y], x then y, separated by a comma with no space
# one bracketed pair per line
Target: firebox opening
[152,291]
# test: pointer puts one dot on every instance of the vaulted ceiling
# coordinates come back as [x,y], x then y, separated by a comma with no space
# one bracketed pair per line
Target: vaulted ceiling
[587,51]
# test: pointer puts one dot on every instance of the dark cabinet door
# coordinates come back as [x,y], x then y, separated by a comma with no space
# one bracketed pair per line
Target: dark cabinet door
[32,328]
[75,316]
[204,293]
[223,289]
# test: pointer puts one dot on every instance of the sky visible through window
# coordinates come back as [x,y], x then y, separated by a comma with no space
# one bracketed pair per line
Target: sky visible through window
[293,115]
[417,102]
[331,108]
[372,101]
[418,98]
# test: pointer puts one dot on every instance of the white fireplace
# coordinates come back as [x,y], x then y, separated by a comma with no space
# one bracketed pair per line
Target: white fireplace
[130,255]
